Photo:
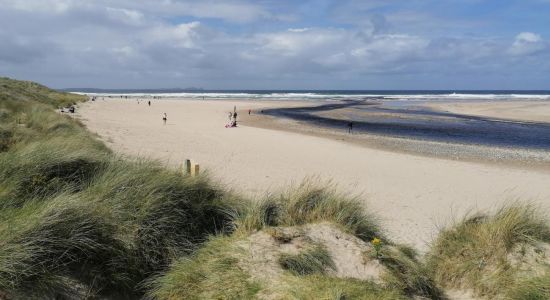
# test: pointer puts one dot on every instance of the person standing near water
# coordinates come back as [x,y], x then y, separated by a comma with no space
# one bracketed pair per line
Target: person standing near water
[149,102]
[164,118]
[350,127]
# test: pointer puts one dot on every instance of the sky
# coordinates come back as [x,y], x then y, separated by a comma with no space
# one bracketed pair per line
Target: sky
[278,44]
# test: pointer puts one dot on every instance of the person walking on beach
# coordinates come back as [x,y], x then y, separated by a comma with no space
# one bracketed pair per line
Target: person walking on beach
[149,102]
[350,127]
[164,118]
[249,111]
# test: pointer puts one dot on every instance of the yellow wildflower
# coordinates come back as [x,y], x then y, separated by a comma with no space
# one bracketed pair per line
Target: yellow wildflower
[377,245]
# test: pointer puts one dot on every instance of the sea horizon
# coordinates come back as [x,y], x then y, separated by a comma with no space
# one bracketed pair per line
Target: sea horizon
[320,94]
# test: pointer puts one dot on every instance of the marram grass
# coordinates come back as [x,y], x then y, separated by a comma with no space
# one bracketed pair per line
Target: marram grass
[315,260]
[476,253]
[310,202]
[78,222]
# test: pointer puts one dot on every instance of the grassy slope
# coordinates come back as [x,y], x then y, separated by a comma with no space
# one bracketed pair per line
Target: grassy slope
[74,219]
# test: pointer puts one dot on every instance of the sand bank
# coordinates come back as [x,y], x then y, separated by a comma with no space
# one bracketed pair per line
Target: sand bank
[528,111]
[412,194]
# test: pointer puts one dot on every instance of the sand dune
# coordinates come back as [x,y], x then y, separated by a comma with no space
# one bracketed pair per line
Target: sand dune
[412,194]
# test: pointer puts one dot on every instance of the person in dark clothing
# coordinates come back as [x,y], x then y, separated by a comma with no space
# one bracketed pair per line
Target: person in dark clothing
[164,118]
[234,117]
[350,127]
[149,102]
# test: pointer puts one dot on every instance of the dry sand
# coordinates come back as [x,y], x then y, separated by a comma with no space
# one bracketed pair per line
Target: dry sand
[529,111]
[413,195]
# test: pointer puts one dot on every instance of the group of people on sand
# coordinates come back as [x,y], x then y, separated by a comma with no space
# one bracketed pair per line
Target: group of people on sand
[69,108]
[232,118]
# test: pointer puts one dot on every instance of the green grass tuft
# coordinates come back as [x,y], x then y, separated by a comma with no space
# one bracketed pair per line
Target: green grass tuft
[212,272]
[310,202]
[310,261]
[475,253]
[407,274]
[322,287]
[535,288]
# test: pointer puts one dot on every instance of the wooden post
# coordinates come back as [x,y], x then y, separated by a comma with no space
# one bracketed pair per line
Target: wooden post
[187,167]
[191,168]
[195,170]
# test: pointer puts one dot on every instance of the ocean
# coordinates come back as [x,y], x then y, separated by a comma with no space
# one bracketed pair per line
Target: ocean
[326,94]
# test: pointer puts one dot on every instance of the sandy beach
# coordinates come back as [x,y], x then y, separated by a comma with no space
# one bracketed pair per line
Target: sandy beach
[413,194]
[529,111]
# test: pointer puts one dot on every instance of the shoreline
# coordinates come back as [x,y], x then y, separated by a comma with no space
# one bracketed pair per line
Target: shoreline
[420,122]
[482,154]
[413,194]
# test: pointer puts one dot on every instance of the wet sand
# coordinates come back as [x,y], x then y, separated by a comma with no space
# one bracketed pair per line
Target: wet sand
[413,193]
[421,122]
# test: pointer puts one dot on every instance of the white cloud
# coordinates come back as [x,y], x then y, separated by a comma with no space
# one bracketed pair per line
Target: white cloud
[296,42]
[527,43]
[528,37]
[390,47]
[298,29]
[128,16]
[183,35]
[154,43]
[229,10]
[42,6]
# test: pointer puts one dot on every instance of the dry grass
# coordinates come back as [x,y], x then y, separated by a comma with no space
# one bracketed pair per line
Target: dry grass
[310,202]
[315,260]
[212,273]
[475,254]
